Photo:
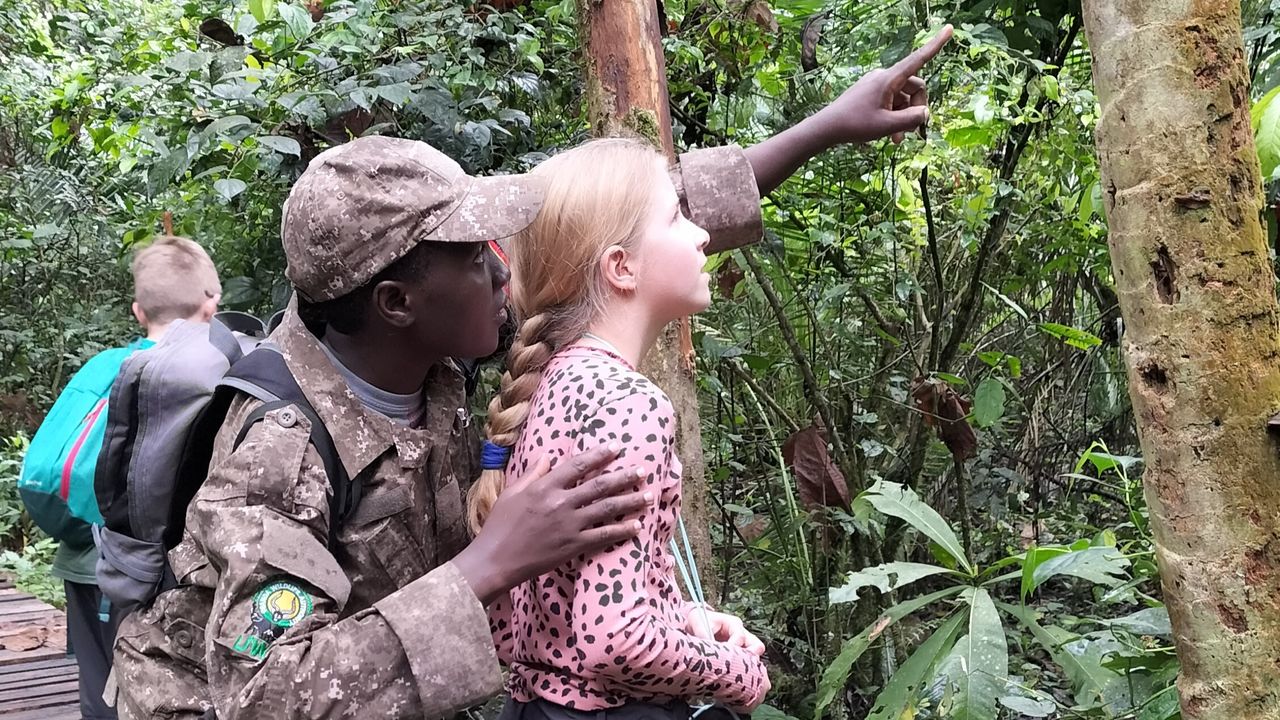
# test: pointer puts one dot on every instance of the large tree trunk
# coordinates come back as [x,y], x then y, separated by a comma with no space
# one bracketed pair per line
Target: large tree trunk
[1197,292]
[627,94]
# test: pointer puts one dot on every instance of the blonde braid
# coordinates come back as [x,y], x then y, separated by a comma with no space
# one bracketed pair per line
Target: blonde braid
[529,354]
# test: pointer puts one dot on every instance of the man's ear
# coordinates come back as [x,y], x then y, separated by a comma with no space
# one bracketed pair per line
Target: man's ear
[392,303]
[617,266]
[139,315]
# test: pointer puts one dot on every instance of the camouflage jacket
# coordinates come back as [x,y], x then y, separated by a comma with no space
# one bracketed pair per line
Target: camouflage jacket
[267,622]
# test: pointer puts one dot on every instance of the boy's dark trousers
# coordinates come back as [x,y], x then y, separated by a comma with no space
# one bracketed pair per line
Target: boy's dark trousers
[90,639]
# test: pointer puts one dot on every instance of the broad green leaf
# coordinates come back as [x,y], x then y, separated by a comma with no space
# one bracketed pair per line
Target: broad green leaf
[1161,706]
[297,19]
[1034,558]
[1074,337]
[397,93]
[166,169]
[228,188]
[1093,683]
[988,402]
[902,690]
[885,578]
[1150,621]
[837,673]
[978,666]
[262,10]
[240,292]
[1039,706]
[1266,128]
[1100,565]
[187,61]
[282,144]
[1090,202]
[902,502]
[967,136]
[225,125]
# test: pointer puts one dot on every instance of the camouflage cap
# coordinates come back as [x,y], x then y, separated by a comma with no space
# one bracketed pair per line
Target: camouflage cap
[363,205]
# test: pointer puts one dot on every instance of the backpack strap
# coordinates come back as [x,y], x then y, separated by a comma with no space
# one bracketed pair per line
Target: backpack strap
[264,375]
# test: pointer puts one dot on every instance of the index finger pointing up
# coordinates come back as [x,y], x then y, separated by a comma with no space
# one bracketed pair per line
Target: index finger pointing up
[911,64]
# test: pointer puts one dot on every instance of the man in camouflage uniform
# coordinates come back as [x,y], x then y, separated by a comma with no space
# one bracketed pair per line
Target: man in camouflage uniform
[268,621]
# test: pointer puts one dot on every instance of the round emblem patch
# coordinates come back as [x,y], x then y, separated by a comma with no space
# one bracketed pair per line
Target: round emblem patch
[283,604]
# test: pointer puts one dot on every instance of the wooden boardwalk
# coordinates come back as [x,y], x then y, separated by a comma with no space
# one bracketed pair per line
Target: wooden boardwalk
[37,679]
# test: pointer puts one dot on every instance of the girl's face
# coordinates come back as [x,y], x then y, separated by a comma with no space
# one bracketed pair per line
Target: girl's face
[669,257]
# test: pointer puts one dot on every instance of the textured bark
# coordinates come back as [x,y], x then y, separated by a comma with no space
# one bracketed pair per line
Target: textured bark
[627,95]
[1197,293]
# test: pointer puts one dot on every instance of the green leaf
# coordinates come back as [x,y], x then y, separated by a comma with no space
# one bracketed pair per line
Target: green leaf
[240,292]
[1150,621]
[837,673]
[988,402]
[1074,337]
[297,19]
[902,502]
[282,144]
[1040,706]
[978,667]
[225,125]
[968,136]
[1034,558]
[163,171]
[1266,128]
[903,689]
[1100,565]
[1090,202]
[1051,88]
[769,712]
[1008,301]
[397,94]
[262,10]
[885,578]
[189,61]
[1092,682]
[228,188]
[1161,706]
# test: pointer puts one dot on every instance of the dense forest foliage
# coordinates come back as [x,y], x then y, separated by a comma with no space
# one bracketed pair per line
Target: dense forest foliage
[913,401]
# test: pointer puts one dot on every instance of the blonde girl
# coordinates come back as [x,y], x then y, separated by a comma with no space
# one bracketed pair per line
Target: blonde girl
[609,261]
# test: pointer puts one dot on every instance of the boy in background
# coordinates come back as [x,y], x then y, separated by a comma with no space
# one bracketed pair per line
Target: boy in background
[173,279]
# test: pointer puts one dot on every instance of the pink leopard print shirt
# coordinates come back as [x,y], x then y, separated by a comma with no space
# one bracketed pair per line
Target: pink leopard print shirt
[608,629]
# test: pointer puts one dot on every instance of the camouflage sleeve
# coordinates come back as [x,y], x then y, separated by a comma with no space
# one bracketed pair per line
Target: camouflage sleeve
[720,195]
[275,646]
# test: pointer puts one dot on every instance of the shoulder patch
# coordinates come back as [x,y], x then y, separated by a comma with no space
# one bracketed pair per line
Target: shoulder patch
[277,606]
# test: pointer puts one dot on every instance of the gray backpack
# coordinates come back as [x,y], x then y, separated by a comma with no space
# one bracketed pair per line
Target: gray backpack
[165,409]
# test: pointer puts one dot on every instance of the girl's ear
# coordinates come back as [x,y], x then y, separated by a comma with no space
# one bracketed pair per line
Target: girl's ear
[618,268]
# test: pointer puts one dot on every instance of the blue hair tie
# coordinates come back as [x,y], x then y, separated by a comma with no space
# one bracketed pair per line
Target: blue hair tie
[494,456]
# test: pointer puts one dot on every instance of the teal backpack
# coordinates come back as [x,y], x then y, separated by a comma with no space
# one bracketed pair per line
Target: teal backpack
[56,484]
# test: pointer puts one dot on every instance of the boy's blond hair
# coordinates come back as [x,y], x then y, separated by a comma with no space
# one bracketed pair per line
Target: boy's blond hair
[173,278]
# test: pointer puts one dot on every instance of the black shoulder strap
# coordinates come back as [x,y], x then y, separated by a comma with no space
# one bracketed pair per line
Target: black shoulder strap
[264,374]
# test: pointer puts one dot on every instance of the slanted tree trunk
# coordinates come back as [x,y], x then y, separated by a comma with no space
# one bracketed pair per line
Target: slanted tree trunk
[627,94]
[1202,333]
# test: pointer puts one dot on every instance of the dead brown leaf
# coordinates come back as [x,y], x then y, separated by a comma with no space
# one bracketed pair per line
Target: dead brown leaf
[945,410]
[820,482]
[759,12]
